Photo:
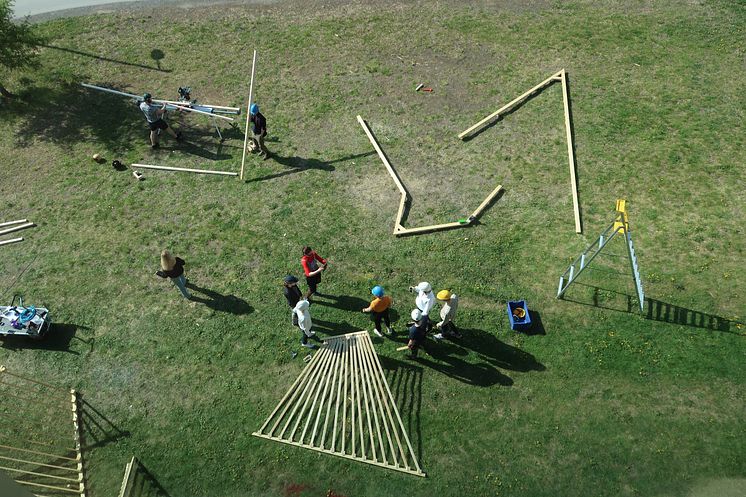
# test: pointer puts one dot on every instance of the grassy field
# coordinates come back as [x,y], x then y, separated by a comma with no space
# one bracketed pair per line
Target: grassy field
[598,401]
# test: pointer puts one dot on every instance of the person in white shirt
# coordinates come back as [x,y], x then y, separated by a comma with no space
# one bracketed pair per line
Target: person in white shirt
[425,301]
[154,114]
[305,324]
[446,326]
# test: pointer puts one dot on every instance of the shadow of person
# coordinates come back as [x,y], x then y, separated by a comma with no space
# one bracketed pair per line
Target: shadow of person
[498,353]
[480,374]
[295,165]
[58,338]
[343,302]
[220,302]
[329,328]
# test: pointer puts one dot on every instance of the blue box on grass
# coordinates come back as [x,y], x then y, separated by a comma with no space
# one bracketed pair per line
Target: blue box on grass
[516,323]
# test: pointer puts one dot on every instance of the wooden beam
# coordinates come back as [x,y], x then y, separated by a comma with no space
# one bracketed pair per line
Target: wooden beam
[76,437]
[9,223]
[509,105]
[36,463]
[248,115]
[62,489]
[385,161]
[12,240]
[428,229]
[185,170]
[571,153]
[485,203]
[16,228]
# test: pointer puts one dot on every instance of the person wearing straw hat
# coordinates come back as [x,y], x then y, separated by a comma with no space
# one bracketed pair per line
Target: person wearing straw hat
[173,267]
[379,310]
[259,131]
[154,114]
[446,326]
[292,294]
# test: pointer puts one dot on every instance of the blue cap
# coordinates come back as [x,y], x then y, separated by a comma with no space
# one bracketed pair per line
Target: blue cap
[377,291]
[254,109]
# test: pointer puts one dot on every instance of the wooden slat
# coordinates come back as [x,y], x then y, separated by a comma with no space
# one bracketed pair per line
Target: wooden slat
[185,170]
[571,154]
[248,115]
[509,105]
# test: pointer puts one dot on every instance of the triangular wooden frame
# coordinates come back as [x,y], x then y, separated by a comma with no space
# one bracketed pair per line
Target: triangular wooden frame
[341,405]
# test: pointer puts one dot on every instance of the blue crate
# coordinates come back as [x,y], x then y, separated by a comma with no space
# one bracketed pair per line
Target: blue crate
[517,324]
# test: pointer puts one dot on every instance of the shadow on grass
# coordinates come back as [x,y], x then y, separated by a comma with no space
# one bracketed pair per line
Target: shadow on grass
[656,310]
[66,113]
[155,54]
[96,429]
[343,302]
[220,302]
[405,382]
[58,338]
[299,164]
[145,484]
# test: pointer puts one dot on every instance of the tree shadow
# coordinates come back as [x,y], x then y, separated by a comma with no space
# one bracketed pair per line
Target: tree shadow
[656,310]
[65,113]
[299,164]
[58,338]
[220,302]
[155,54]
[405,381]
[96,429]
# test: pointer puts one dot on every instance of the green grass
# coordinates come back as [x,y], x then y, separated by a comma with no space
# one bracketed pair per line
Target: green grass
[605,403]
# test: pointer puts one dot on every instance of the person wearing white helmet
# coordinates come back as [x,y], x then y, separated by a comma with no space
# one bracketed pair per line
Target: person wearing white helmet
[305,324]
[417,333]
[425,301]
[446,325]
[379,309]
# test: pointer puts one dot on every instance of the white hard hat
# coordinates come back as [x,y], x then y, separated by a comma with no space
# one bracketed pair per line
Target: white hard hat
[424,287]
[416,314]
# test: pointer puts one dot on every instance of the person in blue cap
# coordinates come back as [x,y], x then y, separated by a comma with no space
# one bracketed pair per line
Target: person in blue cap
[154,114]
[379,310]
[259,131]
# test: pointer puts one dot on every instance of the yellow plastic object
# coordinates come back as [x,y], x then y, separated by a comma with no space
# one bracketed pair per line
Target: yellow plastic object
[443,295]
[622,221]
[519,312]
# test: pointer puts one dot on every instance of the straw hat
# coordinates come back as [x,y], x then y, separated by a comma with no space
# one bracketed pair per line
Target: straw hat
[168,261]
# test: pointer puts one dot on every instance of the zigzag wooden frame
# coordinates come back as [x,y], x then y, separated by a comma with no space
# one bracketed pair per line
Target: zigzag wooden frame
[400,230]
[38,394]
[559,76]
[341,405]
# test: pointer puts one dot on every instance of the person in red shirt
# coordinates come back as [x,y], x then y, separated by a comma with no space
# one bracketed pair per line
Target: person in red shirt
[379,309]
[310,262]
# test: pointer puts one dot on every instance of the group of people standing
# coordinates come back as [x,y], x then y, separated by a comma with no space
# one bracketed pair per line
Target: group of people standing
[379,308]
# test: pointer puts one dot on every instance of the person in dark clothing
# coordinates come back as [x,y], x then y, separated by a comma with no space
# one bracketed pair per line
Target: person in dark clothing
[173,267]
[292,294]
[260,130]
[154,114]
[417,333]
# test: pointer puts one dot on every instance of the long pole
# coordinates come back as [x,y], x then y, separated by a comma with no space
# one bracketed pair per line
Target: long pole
[248,115]
[130,95]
